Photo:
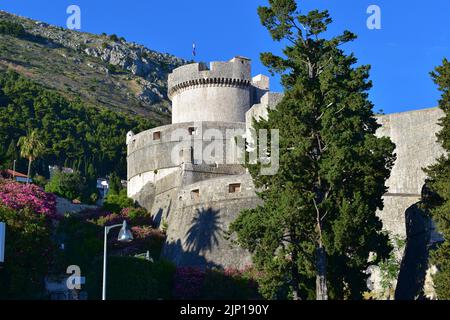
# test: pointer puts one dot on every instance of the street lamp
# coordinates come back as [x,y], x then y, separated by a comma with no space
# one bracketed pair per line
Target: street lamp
[124,236]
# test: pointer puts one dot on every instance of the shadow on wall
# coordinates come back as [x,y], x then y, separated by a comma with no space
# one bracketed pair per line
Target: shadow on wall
[158,217]
[411,278]
[414,264]
[204,231]
[203,235]
[174,252]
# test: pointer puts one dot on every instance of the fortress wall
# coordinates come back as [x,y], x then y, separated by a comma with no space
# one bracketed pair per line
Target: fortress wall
[414,134]
[195,173]
[197,232]
[147,155]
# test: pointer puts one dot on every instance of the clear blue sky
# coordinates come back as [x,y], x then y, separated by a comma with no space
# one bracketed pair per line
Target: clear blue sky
[414,36]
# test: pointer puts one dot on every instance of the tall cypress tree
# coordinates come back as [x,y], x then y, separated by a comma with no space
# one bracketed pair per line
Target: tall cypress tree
[314,233]
[439,183]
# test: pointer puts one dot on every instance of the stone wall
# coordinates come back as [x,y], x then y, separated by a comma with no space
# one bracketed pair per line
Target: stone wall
[197,230]
[414,134]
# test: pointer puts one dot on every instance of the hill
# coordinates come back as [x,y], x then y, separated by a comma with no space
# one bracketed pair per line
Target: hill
[100,70]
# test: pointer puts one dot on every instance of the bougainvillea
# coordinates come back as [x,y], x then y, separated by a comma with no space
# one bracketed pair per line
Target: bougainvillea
[18,196]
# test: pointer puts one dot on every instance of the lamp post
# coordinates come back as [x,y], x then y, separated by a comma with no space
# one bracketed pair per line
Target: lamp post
[124,236]
[14,169]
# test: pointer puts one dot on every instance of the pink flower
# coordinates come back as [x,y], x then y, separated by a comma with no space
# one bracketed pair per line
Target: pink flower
[18,196]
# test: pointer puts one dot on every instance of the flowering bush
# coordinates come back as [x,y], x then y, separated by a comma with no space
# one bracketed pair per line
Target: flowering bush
[18,196]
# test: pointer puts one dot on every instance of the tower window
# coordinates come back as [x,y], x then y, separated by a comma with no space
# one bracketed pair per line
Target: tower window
[192,131]
[157,135]
[195,194]
[234,188]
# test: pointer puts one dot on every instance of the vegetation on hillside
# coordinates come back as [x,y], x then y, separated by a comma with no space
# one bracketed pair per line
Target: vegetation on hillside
[74,135]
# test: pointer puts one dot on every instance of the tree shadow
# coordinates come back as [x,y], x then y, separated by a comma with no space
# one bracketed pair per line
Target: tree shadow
[204,232]
[414,265]
[175,252]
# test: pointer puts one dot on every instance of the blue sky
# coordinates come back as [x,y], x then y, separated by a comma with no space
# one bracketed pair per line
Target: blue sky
[413,40]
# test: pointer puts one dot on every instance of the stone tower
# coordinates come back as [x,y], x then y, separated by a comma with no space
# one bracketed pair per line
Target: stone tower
[171,174]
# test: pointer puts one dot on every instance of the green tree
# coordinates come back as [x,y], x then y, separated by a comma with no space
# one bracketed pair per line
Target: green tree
[313,235]
[69,185]
[439,184]
[31,147]
[115,184]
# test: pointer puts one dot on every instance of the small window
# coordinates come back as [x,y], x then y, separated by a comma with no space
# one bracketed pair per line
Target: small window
[157,135]
[234,188]
[195,194]
[192,131]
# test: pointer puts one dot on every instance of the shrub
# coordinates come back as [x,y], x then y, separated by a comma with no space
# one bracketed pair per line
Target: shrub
[228,284]
[29,252]
[40,181]
[71,186]
[12,29]
[188,283]
[116,202]
[66,185]
[137,216]
[18,196]
[83,241]
[114,38]
[132,279]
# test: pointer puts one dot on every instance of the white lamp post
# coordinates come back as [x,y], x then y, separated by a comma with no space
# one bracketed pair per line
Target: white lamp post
[124,236]
[2,241]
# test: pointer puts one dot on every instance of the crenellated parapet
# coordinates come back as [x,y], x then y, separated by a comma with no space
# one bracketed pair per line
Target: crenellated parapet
[236,72]
[222,92]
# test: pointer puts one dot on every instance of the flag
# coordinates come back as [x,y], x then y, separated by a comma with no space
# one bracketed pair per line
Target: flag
[194,50]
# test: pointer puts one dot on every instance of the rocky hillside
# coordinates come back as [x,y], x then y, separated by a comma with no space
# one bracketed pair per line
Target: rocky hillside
[102,70]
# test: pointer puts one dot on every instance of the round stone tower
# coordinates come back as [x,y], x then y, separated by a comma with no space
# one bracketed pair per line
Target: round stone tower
[221,93]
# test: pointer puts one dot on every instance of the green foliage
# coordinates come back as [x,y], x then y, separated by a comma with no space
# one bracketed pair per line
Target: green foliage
[132,279]
[390,268]
[31,147]
[112,68]
[439,184]
[318,219]
[232,286]
[28,254]
[12,29]
[115,185]
[71,132]
[40,181]
[83,242]
[116,202]
[70,186]
[114,38]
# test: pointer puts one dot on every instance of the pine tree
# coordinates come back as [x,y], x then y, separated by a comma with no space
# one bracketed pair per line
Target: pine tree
[314,233]
[439,184]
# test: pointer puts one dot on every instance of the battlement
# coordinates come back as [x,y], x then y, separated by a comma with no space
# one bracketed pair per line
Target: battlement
[235,73]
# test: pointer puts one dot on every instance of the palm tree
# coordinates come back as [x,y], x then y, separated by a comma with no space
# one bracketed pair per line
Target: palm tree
[31,148]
